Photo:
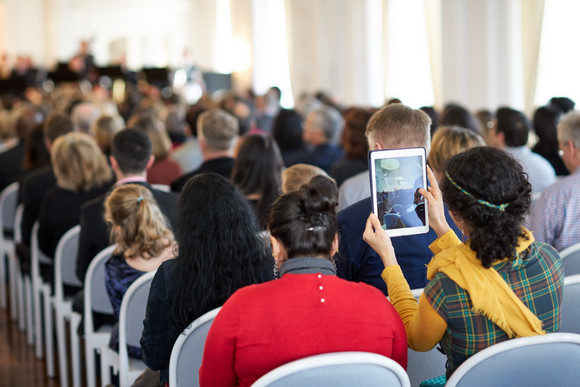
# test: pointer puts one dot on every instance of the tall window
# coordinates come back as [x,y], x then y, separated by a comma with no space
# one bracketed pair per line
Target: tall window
[559,60]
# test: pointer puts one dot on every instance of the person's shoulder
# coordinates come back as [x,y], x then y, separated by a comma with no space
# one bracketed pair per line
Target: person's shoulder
[162,195]
[359,210]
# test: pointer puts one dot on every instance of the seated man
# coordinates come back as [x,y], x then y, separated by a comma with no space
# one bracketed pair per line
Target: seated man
[555,217]
[217,136]
[321,130]
[393,127]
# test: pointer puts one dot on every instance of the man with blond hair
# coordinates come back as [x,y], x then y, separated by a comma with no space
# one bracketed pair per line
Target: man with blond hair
[395,126]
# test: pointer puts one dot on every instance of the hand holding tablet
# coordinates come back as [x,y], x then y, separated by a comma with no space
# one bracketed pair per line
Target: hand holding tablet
[396,177]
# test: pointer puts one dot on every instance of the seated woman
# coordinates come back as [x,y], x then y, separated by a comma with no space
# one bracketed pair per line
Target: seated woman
[82,173]
[219,251]
[143,240]
[257,173]
[497,285]
[309,310]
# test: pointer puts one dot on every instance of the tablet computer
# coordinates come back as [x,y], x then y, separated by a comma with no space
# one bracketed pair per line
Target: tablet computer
[396,176]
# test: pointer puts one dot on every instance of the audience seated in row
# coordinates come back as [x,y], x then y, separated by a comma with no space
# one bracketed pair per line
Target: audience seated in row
[498,285]
[309,310]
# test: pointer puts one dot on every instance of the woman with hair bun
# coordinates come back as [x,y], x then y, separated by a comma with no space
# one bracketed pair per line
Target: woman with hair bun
[308,310]
[144,240]
[497,285]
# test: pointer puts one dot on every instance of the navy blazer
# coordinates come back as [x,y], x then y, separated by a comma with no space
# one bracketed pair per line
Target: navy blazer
[357,261]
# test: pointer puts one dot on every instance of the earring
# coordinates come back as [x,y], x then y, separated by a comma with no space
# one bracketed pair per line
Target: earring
[276,270]
[333,263]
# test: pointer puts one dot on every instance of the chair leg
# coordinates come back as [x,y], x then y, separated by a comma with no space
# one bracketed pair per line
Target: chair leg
[75,350]
[3,259]
[37,317]
[61,342]
[105,367]
[48,331]
[28,304]
[15,279]
[18,280]
[90,363]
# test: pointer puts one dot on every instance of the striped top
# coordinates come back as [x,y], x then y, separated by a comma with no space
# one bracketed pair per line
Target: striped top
[535,276]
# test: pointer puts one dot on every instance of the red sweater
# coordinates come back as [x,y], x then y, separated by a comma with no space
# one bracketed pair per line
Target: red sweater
[265,326]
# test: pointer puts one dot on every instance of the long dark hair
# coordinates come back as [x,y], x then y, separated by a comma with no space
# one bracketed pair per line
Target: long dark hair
[220,249]
[493,176]
[304,221]
[258,170]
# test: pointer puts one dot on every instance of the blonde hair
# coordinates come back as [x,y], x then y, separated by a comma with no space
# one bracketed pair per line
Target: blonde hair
[142,231]
[154,128]
[104,129]
[297,175]
[79,164]
[449,141]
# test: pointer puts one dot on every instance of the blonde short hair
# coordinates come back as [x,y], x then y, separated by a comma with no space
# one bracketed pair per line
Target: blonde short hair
[143,231]
[79,164]
[449,141]
[104,129]
[297,175]
[154,128]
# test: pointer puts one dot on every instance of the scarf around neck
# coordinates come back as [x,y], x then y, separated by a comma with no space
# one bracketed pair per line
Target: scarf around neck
[489,293]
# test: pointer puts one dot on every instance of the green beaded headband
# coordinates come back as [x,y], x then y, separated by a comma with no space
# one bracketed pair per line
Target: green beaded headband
[500,207]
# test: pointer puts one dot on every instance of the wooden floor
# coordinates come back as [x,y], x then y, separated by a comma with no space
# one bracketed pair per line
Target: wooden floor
[18,365]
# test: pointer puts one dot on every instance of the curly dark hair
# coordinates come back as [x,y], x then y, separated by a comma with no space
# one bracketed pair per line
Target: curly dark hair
[220,249]
[304,221]
[494,176]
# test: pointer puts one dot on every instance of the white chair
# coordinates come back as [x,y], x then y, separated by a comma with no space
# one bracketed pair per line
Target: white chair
[571,259]
[187,352]
[544,360]
[41,291]
[339,369]
[64,274]
[8,203]
[570,309]
[95,300]
[131,316]
[424,365]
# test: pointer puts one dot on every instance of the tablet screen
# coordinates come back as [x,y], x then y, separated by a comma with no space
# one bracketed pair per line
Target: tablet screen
[396,176]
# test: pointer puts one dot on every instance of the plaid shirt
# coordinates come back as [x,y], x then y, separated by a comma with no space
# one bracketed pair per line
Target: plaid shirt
[555,217]
[536,277]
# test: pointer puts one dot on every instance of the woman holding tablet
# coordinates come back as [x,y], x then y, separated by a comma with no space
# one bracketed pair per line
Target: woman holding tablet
[497,285]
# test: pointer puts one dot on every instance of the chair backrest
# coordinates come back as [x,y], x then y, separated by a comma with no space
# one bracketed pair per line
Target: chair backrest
[64,262]
[131,316]
[18,223]
[8,203]
[570,309]
[187,351]
[544,360]
[95,294]
[571,259]
[338,369]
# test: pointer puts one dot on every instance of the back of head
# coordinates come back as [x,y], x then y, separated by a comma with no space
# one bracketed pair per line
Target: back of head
[219,246]
[257,170]
[457,115]
[304,221]
[155,130]
[132,150]
[56,125]
[330,121]
[83,115]
[174,119]
[143,231]
[353,140]
[218,128]
[26,121]
[79,164]
[488,189]
[297,175]
[287,130]
[565,104]
[545,122]
[514,125]
[104,129]
[35,153]
[398,126]
[569,128]
[449,141]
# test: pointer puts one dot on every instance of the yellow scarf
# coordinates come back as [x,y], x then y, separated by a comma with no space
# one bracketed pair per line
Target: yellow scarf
[489,293]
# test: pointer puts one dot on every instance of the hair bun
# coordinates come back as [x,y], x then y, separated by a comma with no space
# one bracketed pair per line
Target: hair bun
[318,197]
